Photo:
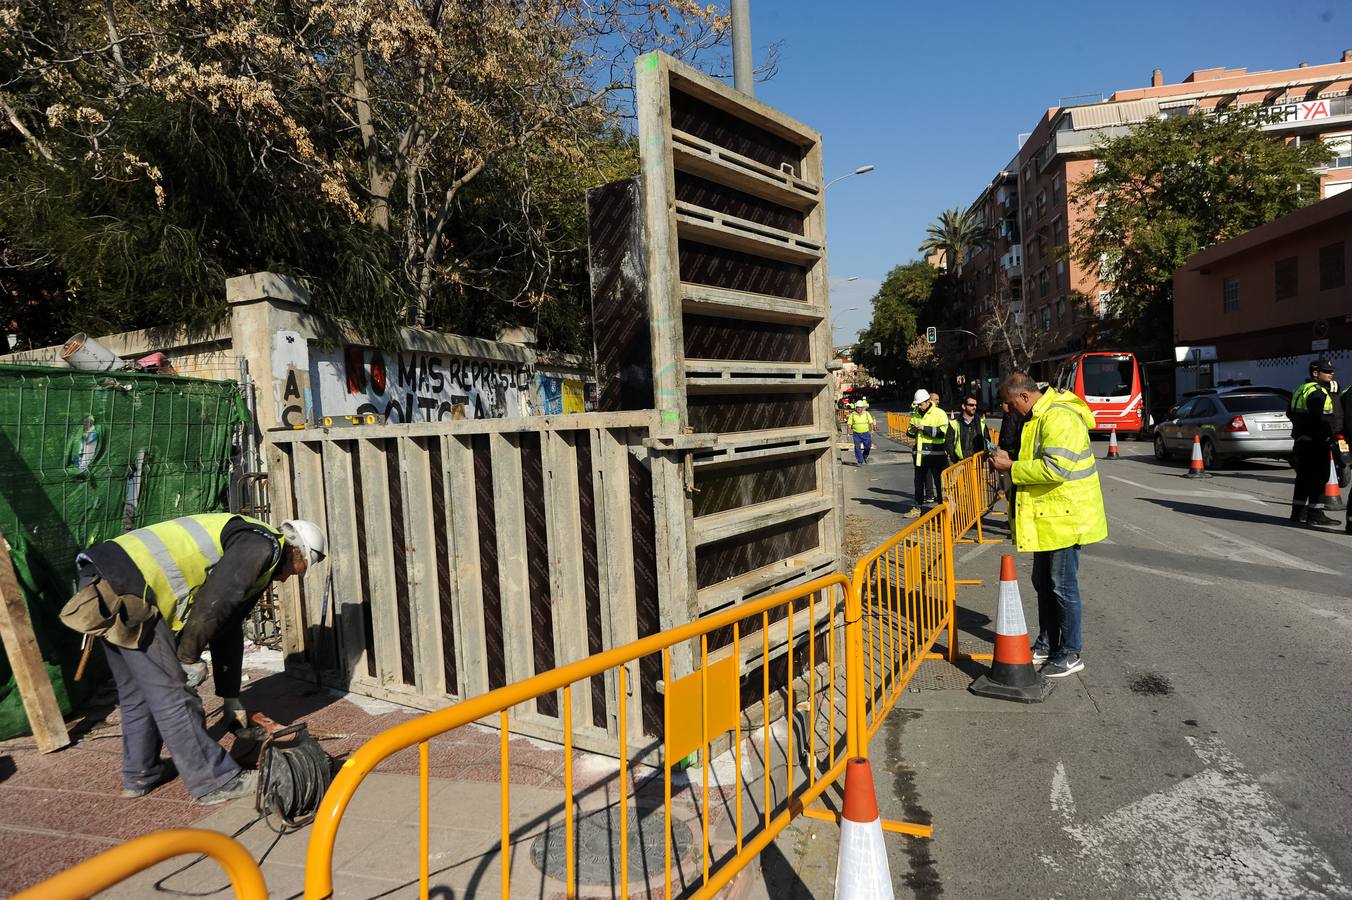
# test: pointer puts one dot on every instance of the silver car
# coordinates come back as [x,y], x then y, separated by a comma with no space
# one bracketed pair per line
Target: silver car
[1232,424]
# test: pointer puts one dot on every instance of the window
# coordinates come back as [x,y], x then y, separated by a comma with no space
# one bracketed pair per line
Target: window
[1057,189]
[1059,231]
[1248,403]
[1041,203]
[1108,376]
[1230,295]
[1060,310]
[1046,318]
[1332,267]
[1286,277]
[1341,145]
[1042,281]
[1105,305]
[1334,188]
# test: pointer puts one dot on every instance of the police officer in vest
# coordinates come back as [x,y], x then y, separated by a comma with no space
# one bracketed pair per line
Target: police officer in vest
[1058,508]
[1311,414]
[929,428]
[198,578]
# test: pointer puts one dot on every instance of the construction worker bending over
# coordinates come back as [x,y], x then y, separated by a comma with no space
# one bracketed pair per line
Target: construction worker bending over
[861,425]
[159,596]
[1058,508]
[1311,415]
[929,426]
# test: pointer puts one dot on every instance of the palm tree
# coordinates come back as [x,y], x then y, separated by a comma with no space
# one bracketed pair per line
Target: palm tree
[953,236]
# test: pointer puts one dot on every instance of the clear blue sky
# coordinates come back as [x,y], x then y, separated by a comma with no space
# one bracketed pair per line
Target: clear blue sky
[935,96]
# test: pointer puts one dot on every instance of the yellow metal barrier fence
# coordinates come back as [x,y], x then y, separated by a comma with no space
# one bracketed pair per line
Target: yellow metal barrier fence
[897,424]
[121,862]
[907,599]
[698,709]
[969,492]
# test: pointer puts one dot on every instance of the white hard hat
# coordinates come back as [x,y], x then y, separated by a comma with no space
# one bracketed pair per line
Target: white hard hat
[306,536]
[860,404]
[922,396]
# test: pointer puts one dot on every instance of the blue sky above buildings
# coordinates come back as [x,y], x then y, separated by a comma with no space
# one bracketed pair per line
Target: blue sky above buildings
[935,95]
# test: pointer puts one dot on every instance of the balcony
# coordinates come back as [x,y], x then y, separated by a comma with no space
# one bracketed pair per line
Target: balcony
[1012,261]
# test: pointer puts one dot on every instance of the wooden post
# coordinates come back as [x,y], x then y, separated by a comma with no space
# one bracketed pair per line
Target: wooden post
[21,646]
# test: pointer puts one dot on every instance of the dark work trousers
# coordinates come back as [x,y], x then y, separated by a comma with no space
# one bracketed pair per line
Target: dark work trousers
[1311,459]
[931,468]
[227,655]
[158,709]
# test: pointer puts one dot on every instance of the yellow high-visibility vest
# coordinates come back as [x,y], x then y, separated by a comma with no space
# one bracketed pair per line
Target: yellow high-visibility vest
[174,558]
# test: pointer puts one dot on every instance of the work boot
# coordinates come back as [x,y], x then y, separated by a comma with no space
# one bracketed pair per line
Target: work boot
[167,771]
[245,784]
[1297,515]
[1317,517]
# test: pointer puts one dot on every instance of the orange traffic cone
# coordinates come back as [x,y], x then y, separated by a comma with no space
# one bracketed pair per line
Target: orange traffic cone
[1195,468]
[1333,495]
[1011,675]
[1112,444]
[861,870]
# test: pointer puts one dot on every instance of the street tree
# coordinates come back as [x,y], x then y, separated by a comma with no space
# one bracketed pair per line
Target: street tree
[953,237]
[1173,186]
[422,163]
[906,292]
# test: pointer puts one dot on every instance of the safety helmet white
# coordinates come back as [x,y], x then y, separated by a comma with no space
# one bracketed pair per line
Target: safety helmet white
[860,404]
[306,536]
[922,396]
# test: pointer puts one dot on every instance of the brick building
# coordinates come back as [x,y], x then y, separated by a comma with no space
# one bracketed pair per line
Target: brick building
[1257,308]
[1062,304]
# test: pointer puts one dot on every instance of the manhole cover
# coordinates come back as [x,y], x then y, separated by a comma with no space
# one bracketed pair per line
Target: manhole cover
[597,846]
[1152,683]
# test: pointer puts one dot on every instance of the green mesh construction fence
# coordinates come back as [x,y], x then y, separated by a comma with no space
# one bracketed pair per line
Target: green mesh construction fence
[85,456]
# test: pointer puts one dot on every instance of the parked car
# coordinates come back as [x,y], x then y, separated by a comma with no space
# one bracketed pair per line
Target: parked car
[1233,423]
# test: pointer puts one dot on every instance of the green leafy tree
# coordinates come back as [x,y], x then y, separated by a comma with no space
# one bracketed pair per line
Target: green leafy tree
[416,163]
[906,292]
[954,236]
[1171,187]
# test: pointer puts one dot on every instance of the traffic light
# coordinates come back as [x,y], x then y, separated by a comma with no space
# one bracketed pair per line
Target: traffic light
[932,334]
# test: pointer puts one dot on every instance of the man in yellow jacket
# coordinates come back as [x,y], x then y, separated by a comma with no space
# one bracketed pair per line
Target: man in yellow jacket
[1058,508]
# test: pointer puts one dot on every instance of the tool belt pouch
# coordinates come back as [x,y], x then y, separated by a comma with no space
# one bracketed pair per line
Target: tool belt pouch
[120,619]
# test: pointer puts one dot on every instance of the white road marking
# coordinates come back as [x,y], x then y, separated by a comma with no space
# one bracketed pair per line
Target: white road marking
[1216,834]
[1213,495]
[975,552]
[1151,570]
[1244,551]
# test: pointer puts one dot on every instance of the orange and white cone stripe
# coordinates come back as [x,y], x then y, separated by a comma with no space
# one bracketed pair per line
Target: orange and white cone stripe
[1112,443]
[1011,629]
[1331,489]
[862,872]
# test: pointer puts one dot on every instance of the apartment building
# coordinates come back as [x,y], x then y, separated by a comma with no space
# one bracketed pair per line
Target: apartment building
[1064,306]
[1259,307]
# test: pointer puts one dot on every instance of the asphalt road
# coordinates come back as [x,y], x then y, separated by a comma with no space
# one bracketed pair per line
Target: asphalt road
[1205,750]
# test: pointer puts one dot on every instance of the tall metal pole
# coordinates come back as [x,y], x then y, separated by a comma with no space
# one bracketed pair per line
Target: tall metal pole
[742,75]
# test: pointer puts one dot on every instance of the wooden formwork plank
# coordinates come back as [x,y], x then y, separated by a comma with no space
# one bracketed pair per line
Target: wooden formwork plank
[642,418]
[511,521]
[564,527]
[690,80]
[309,489]
[415,470]
[615,551]
[463,522]
[380,569]
[344,548]
[282,505]
[25,661]
[712,301]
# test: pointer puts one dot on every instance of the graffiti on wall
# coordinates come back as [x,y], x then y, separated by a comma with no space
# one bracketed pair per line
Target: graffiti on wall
[410,386]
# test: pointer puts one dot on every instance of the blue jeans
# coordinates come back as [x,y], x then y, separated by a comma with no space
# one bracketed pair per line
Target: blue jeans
[863,443]
[1056,578]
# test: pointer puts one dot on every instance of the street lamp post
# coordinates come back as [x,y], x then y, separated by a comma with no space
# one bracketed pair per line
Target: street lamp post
[862,170]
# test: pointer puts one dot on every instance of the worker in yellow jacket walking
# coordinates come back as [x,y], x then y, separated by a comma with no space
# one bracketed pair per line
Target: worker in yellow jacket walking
[861,425]
[1058,508]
